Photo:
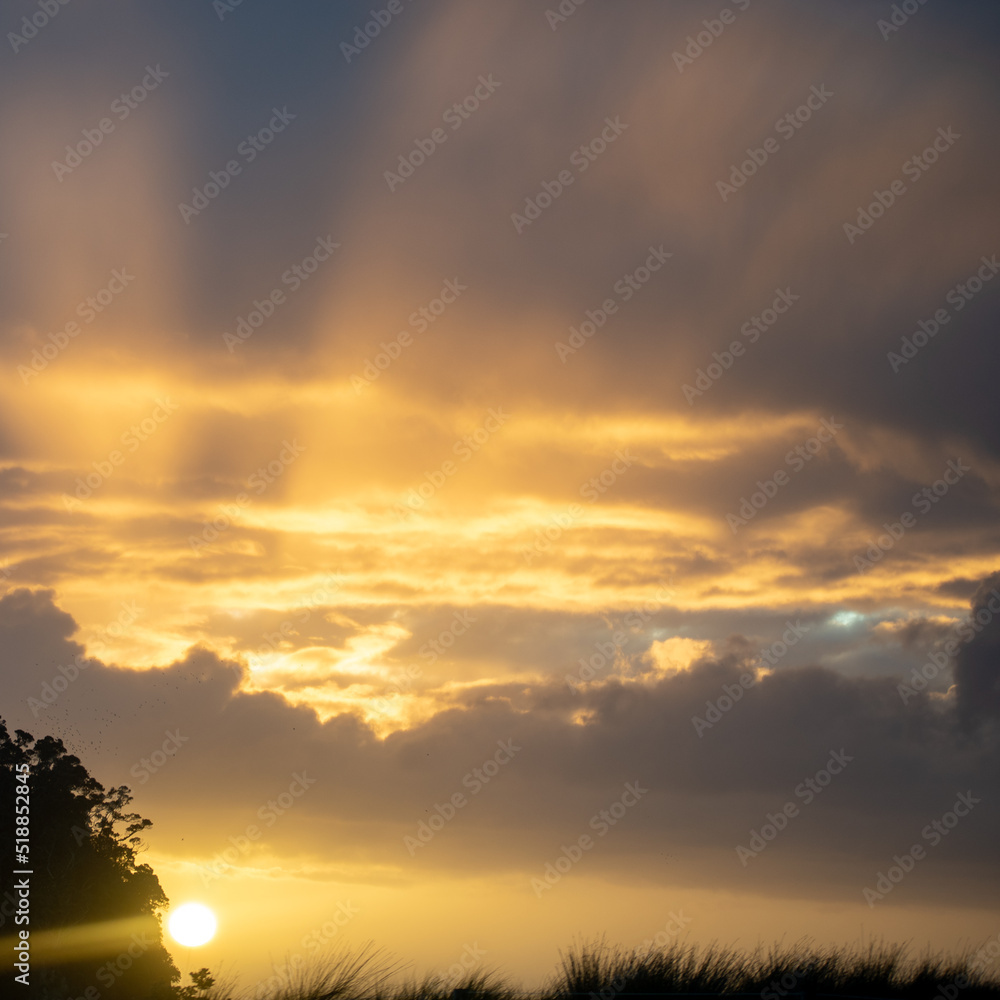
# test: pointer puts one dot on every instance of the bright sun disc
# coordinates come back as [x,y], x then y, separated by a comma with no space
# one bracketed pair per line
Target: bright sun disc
[192,924]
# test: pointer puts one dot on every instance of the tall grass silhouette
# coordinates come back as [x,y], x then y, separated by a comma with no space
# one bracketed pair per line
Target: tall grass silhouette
[878,971]
[599,971]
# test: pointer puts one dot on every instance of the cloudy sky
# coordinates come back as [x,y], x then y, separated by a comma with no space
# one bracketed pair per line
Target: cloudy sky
[487,474]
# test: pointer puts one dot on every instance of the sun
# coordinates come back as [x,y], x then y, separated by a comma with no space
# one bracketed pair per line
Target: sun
[192,925]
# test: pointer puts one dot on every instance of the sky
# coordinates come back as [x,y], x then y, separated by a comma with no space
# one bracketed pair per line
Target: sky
[487,475]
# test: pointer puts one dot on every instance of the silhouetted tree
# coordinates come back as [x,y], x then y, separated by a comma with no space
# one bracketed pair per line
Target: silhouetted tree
[86,883]
[201,982]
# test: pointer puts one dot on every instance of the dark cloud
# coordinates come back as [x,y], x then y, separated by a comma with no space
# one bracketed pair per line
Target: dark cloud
[707,788]
[977,665]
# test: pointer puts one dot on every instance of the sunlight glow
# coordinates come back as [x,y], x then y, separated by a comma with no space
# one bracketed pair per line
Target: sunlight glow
[192,925]
[846,618]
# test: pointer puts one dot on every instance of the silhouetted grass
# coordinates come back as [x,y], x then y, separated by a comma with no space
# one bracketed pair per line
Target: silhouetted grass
[599,971]
[475,985]
[341,975]
[878,971]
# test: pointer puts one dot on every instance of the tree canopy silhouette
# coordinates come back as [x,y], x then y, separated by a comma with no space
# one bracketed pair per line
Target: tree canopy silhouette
[94,910]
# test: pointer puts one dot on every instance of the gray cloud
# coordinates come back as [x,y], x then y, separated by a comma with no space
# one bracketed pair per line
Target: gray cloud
[706,792]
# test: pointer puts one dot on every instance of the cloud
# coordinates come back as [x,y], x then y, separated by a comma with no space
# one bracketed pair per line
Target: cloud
[708,786]
[977,666]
